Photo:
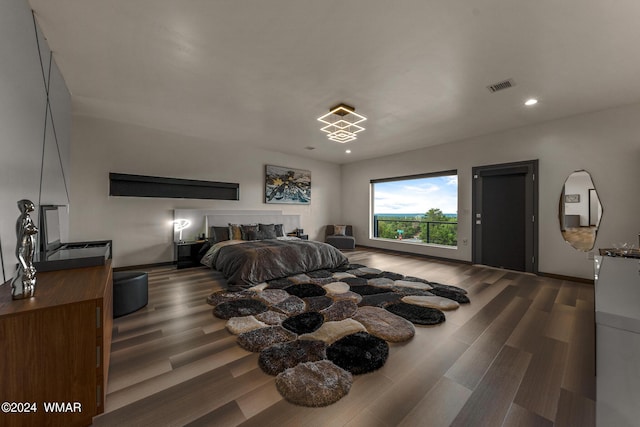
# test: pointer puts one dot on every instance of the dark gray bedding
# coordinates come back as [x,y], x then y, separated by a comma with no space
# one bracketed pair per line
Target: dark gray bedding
[247,263]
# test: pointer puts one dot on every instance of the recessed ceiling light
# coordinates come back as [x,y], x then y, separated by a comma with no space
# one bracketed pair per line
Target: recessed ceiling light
[530,102]
[348,151]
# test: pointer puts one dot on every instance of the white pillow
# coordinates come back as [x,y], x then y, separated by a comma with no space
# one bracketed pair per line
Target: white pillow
[339,230]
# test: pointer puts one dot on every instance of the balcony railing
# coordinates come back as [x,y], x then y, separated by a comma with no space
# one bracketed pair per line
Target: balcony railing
[432,229]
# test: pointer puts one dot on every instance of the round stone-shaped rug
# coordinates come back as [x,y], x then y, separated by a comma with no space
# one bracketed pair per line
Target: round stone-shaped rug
[331,332]
[417,314]
[239,308]
[355,281]
[272,296]
[317,303]
[279,357]
[259,339]
[305,290]
[352,296]
[368,290]
[451,294]
[340,310]
[431,301]
[380,300]
[304,323]
[317,274]
[240,325]
[384,324]
[392,276]
[223,296]
[279,283]
[448,287]
[271,317]
[314,384]
[359,353]
[336,288]
[314,330]
[291,306]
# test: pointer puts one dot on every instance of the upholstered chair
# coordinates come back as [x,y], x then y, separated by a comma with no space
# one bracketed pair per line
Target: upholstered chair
[334,237]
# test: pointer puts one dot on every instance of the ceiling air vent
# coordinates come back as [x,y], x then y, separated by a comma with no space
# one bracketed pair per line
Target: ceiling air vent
[309,148]
[505,84]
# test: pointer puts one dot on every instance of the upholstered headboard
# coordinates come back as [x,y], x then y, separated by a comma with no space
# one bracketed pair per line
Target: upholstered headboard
[289,222]
[203,219]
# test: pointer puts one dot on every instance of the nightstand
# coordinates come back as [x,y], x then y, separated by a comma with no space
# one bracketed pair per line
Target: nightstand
[300,236]
[186,253]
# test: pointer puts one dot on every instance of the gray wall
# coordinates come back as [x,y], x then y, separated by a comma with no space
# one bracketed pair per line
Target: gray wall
[22,124]
[606,143]
[140,227]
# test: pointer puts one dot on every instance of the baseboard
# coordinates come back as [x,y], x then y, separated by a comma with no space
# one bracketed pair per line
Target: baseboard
[394,251]
[567,278]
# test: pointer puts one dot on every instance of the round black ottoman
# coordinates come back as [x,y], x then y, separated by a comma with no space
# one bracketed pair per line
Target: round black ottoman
[130,292]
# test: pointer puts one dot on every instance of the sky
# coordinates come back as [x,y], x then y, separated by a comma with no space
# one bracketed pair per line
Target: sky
[417,195]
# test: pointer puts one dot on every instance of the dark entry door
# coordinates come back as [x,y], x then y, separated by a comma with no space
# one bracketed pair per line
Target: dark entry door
[505,203]
[503,221]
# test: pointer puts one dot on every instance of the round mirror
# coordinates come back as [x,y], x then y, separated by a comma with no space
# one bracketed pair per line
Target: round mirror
[580,211]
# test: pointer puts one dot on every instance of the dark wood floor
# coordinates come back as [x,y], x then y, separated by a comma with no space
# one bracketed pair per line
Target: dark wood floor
[521,354]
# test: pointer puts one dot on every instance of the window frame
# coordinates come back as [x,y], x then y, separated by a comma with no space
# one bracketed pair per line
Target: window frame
[372,213]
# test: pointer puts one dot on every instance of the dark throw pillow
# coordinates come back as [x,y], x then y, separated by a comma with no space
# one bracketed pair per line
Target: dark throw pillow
[267,231]
[249,231]
[219,234]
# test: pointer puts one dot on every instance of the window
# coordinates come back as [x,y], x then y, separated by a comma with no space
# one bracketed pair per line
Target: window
[417,209]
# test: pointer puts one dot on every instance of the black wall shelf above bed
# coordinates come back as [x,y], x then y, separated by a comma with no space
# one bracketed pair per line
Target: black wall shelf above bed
[175,188]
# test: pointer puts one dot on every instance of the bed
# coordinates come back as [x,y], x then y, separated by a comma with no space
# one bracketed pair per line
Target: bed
[247,263]
[250,252]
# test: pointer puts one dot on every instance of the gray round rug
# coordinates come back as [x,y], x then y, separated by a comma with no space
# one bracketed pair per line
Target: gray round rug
[279,357]
[239,308]
[314,384]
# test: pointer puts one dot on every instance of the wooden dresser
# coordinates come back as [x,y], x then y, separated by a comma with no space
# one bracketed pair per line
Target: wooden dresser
[54,348]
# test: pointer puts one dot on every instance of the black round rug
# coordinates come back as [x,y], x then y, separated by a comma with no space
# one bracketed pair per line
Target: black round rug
[238,308]
[359,353]
[305,290]
[354,281]
[304,323]
[279,357]
[451,294]
[368,290]
[391,275]
[417,314]
[449,287]
[380,300]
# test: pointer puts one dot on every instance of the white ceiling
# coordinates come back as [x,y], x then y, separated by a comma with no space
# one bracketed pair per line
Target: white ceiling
[260,72]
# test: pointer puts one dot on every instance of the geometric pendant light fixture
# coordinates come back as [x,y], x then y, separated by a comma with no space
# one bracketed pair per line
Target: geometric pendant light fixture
[342,123]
